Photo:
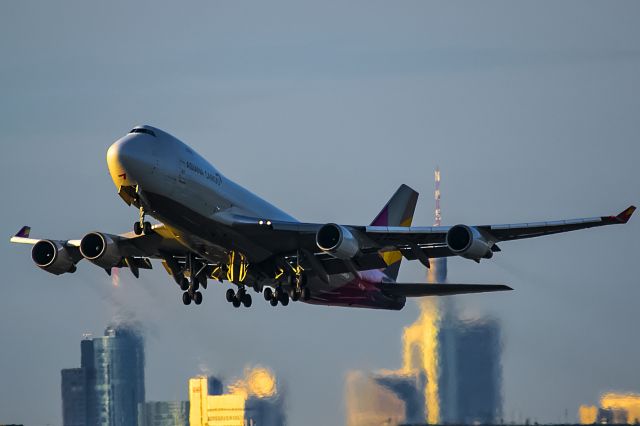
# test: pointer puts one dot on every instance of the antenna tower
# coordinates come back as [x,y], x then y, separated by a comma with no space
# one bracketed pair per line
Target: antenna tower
[438,216]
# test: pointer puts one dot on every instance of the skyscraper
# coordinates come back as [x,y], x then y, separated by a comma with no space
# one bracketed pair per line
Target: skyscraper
[109,384]
[451,368]
[76,382]
[119,376]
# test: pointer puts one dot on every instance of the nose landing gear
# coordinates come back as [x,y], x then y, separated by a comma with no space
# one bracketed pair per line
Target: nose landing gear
[142,227]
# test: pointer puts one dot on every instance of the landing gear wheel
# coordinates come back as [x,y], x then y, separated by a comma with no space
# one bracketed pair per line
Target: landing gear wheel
[184,284]
[306,294]
[268,294]
[196,285]
[284,298]
[246,300]
[146,228]
[186,298]
[197,298]
[137,228]
[274,301]
[295,295]
[236,302]
[230,295]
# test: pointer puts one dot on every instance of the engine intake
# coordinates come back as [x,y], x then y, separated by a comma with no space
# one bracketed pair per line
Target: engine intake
[100,249]
[468,242]
[53,257]
[338,241]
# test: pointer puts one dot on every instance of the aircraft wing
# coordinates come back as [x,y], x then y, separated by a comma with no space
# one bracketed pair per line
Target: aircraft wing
[423,289]
[136,250]
[153,245]
[413,242]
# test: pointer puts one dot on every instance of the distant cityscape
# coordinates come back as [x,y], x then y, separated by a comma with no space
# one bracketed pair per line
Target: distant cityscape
[451,374]
[108,390]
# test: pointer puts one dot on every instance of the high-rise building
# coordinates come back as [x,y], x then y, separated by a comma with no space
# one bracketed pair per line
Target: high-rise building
[164,413]
[109,385]
[252,400]
[119,376]
[76,385]
[74,397]
[451,370]
[470,379]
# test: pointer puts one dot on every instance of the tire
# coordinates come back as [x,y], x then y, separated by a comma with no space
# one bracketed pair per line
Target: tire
[184,284]
[196,284]
[236,302]
[274,302]
[246,300]
[268,294]
[186,298]
[306,294]
[137,229]
[147,228]
[197,298]
[284,299]
[230,295]
[295,295]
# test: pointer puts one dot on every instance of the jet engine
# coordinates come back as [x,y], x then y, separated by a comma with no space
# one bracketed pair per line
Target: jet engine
[101,249]
[468,242]
[338,241]
[53,257]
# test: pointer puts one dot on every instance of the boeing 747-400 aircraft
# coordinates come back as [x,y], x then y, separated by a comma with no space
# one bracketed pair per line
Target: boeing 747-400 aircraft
[212,228]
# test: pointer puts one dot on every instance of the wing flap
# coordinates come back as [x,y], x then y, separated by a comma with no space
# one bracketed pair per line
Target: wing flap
[423,289]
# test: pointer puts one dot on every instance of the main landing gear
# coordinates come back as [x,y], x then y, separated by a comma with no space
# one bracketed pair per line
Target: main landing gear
[191,286]
[239,298]
[142,227]
[279,295]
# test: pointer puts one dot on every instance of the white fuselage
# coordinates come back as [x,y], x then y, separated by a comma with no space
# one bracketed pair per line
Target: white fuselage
[165,166]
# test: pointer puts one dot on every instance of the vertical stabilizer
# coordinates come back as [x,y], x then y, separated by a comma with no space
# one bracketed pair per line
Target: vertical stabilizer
[397,212]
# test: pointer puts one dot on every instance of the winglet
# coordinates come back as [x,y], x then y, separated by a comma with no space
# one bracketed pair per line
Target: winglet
[624,216]
[23,232]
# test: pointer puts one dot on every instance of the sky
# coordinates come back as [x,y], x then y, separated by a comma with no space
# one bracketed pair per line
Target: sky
[324,108]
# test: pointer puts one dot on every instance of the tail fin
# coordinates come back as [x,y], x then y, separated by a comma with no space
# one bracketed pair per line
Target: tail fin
[397,212]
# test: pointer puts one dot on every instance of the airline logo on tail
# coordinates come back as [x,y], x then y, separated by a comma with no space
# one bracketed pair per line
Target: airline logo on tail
[397,212]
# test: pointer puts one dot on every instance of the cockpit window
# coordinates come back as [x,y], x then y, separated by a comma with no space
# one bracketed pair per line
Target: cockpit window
[143,130]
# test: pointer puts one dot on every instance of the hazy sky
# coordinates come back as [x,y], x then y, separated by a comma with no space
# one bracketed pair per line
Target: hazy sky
[530,109]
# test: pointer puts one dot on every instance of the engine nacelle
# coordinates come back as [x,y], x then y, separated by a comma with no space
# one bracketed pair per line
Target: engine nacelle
[100,249]
[338,241]
[53,257]
[468,242]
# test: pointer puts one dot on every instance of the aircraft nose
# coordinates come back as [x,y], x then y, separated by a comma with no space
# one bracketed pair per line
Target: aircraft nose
[124,158]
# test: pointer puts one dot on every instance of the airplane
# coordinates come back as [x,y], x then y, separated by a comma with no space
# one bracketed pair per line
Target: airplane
[212,228]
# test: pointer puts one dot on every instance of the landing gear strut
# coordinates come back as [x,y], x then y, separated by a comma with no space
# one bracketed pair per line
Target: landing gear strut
[191,286]
[141,226]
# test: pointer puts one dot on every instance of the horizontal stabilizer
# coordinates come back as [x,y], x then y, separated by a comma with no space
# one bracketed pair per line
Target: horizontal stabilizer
[423,289]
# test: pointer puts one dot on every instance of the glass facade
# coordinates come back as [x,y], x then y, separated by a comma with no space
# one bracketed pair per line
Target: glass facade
[119,377]
[74,397]
[109,386]
[164,413]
